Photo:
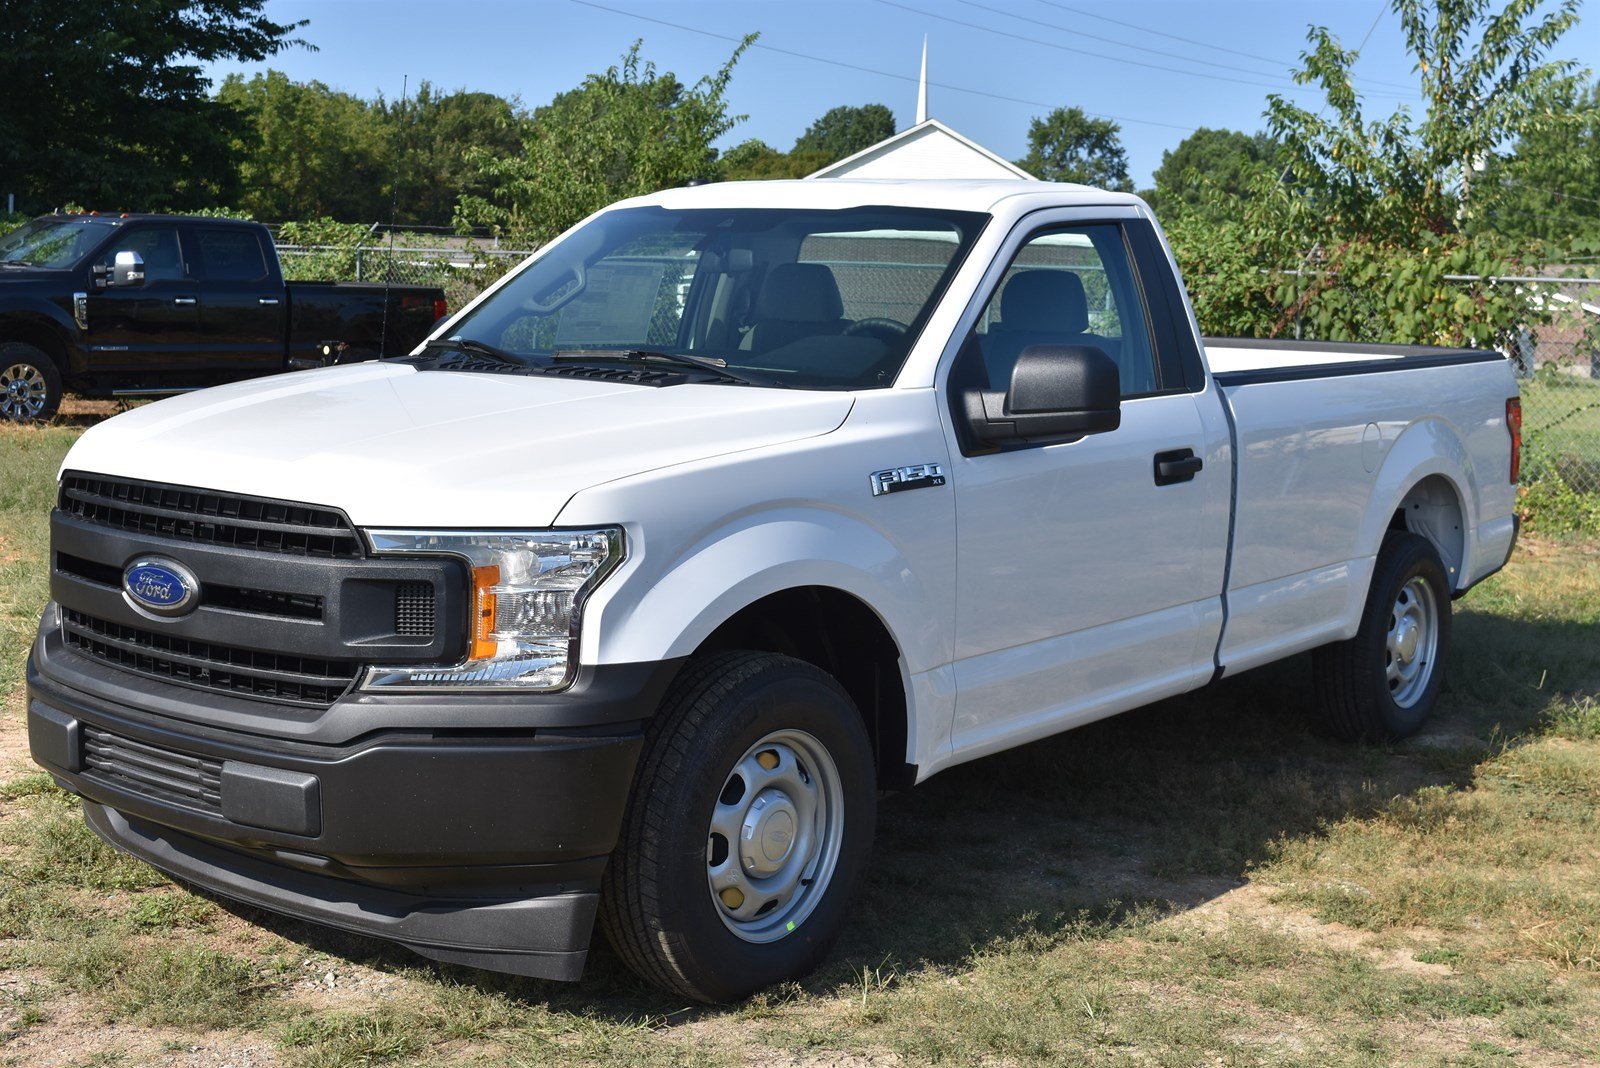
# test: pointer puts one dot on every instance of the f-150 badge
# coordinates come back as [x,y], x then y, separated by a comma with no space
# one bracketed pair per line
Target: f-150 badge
[915,476]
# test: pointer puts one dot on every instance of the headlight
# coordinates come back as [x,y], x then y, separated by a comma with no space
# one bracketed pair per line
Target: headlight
[526,597]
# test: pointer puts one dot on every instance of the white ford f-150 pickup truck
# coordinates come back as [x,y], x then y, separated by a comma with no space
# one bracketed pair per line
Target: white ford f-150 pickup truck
[627,593]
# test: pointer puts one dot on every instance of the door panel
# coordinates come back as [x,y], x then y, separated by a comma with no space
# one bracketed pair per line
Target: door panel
[1088,580]
[154,326]
[1084,588]
[242,326]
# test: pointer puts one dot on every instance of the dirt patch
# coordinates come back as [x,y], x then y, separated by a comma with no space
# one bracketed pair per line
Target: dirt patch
[1253,904]
[69,1030]
[14,758]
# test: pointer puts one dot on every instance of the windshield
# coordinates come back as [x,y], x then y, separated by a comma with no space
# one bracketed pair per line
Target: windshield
[51,242]
[814,299]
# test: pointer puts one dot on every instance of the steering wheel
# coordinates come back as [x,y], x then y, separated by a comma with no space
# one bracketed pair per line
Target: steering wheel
[886,330]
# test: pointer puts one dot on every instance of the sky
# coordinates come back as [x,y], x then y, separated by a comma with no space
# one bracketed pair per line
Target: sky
[1160,68]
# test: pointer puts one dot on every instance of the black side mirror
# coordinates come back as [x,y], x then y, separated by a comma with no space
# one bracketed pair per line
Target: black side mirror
[1058,393]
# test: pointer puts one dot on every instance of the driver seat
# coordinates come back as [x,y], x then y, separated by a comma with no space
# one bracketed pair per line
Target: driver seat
[797,301]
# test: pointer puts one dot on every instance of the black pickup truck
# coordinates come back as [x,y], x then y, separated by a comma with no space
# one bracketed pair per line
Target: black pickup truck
[144,305]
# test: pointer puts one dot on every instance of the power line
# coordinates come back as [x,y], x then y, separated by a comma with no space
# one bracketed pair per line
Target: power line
[868,70]
[1202,44]
[1087,52]
[1143,48]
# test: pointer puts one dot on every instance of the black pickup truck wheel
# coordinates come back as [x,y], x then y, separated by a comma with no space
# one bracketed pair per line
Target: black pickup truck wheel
[750,824]
[1382,684]
[30,383]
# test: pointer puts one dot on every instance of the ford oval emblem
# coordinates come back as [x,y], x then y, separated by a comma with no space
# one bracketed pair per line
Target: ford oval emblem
[162,586]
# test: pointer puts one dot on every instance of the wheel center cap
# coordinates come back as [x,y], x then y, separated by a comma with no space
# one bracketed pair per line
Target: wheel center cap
[767,836]
[1405,640]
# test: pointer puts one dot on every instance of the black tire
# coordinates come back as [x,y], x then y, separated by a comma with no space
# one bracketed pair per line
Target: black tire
[30,384]
[1352,678]
[656,905]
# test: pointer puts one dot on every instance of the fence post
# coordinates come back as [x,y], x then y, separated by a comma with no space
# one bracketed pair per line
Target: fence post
[360,241]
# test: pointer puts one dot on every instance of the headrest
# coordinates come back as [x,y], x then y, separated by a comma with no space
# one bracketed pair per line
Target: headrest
[799,293]
[1046,302]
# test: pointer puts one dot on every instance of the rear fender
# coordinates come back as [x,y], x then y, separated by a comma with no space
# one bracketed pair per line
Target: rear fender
[1430,448]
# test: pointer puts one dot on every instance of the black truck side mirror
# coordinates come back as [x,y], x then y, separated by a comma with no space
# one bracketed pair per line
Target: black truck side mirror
[1058,393]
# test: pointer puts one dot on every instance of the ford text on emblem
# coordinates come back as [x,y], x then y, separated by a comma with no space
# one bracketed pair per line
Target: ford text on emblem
[164,587]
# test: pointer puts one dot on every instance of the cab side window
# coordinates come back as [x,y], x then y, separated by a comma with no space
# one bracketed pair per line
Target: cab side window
[231,255]
[1069,285]
[159,248]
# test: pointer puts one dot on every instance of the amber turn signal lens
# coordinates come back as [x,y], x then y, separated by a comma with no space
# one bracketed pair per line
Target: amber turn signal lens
[484,580]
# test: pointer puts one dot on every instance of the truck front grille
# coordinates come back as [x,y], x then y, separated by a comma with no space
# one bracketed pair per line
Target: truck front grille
[296,680]
[190,781]
[195,515]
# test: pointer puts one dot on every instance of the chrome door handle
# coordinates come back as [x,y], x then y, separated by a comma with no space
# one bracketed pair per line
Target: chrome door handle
[267,300]
[183,300]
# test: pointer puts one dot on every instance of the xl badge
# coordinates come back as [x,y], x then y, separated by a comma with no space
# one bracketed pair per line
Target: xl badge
[164,587]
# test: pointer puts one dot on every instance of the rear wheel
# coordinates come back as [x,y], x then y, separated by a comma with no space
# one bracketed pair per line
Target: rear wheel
[750,824]
[1382,684]
[30,383]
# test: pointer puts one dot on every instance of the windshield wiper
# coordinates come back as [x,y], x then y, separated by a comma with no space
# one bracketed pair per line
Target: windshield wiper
[479,348]
[704,363]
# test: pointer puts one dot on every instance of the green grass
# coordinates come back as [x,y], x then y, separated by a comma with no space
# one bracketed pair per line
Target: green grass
[1206,881]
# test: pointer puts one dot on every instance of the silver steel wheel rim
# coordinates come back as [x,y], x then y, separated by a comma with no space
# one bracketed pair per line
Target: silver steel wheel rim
[776,833]
[22,392]
[1412,644]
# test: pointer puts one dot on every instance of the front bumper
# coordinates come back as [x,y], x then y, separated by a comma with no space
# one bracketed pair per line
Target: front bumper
[481,846]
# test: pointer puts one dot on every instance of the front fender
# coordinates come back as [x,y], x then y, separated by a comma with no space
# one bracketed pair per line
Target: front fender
[655,614]
[39,313]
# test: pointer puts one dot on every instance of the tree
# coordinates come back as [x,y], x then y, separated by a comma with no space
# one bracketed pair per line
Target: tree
[622,133]
[755,160]
[307,151]
[844,131]
[433,135]
[106,104]
[1068,146]
[1485,81]
[1208,163]
[1549,188]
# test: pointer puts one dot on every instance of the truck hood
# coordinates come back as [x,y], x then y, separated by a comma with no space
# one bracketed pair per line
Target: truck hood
[394,446]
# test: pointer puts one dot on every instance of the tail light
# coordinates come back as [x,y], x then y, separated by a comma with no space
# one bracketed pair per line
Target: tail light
[441,308]
[1514,424]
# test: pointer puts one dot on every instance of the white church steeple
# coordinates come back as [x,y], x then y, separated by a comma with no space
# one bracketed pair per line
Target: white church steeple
[922,85]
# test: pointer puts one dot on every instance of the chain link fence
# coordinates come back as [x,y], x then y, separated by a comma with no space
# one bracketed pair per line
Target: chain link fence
[462,268]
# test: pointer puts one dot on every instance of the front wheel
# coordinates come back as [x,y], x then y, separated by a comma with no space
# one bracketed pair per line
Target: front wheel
[1382,684]
[750,824]
[30,383]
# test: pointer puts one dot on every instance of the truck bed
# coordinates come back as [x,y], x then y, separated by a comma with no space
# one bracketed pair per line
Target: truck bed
[1237,361]
[1334,445]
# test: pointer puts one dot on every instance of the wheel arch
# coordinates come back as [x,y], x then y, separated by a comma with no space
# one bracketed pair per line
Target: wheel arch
[840,634]
[1425,485]
[41,331]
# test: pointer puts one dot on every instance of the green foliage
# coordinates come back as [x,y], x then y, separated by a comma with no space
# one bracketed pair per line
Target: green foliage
[1485,80]
[107,104]
[1548,190]
[1207,165]
[305,150]
[1068,146]
[622,133]
[755,160]
[846,130]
